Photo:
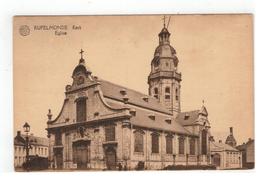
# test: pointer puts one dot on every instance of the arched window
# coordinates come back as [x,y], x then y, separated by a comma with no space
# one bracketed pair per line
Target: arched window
[169,144]
[192,146]
[155,143]
[167,93]
[139,141]
[156,93]
[216,159]
[204,142]
[181,145]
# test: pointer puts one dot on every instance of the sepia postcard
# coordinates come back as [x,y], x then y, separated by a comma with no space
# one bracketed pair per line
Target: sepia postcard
[133,92]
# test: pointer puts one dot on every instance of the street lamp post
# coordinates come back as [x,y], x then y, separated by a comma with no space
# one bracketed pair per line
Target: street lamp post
[27,146]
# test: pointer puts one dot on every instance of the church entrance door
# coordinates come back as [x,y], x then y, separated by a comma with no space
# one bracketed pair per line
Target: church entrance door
[81,154]
[111,158]
[59,158]
[216,160]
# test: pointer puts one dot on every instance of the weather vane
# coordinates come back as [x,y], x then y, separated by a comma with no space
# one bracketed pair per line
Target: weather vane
[164,21]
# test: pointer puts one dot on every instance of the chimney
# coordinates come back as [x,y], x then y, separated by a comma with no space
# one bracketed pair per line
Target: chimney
[145,98]
[211,138]
[220,141]
[18,133]
[231,130]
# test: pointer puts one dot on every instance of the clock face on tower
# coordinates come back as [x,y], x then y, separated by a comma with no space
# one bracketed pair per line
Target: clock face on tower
[80,80]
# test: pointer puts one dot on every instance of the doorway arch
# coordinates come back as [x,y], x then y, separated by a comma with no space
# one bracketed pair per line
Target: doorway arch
[216,159]
[110,153]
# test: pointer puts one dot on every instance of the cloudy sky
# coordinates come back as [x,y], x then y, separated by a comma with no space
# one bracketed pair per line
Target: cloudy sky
[215,54]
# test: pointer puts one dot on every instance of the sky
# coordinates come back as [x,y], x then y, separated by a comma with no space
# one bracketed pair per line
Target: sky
[215,55]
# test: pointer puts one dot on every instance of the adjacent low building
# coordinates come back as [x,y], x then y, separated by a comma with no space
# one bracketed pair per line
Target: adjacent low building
[248,152]
[39,147]
[225,156]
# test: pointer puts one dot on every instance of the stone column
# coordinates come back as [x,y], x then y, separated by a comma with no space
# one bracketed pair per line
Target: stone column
[126,143]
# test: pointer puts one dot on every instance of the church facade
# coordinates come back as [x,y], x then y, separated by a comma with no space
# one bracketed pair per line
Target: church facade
[103,125]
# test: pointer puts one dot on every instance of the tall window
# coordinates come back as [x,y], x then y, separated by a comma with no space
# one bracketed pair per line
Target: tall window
[67,146]
[176,94]
[169,144]
[181,145]
[58,140]
[81,109]
[192,146]
[167,93]
[156,93]
[139,141]
[110,133]
[204,142]
[155,143]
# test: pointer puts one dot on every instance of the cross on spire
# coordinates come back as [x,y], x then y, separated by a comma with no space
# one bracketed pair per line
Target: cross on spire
[164,18]
[81,53]
[203,102]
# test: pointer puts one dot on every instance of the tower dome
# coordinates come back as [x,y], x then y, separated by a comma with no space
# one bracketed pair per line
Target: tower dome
[164,79]
[165,50]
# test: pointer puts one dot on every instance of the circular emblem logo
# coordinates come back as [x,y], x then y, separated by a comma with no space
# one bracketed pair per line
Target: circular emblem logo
[24,30]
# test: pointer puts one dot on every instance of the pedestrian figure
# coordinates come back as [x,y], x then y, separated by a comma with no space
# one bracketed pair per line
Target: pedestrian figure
[120,167]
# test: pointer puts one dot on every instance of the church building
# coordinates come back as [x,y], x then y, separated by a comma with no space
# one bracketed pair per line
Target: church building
[103,125]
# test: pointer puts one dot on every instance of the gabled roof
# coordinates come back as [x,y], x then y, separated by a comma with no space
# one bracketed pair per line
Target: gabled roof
[245,145]
[188,118]
[20,141]
[221,147]
[203,111]
[39,141]
[113,91]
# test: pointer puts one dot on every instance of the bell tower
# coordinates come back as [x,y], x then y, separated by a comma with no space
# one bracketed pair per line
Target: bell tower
[164,79]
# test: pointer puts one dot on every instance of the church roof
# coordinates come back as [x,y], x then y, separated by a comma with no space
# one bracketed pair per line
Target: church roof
[118,93]
[221,147]
[142,119]
[188,118]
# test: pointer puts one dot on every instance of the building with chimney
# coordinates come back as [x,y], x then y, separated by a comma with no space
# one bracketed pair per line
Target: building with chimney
[39,147]
[225,155]
[103,125]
